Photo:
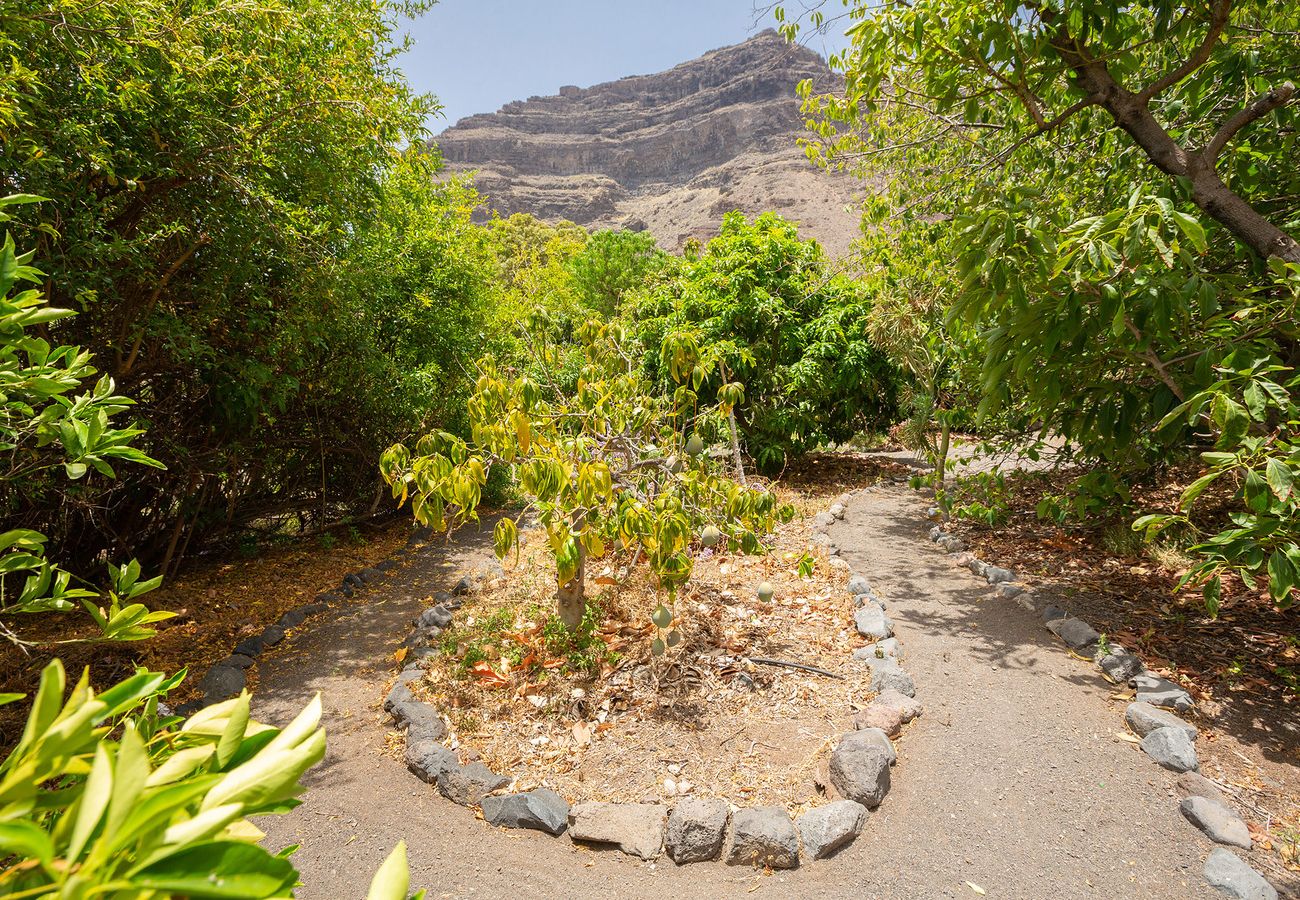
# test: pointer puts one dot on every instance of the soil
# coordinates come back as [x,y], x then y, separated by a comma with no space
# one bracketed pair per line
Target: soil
[1014,783]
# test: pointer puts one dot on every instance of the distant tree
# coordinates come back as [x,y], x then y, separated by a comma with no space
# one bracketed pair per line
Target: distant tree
[613,263]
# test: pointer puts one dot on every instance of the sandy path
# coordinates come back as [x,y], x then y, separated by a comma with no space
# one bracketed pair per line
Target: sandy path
[1012,780]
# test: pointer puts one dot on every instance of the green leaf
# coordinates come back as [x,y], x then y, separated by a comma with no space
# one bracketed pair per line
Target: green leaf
[393,879]
[220,869]
[1280,479]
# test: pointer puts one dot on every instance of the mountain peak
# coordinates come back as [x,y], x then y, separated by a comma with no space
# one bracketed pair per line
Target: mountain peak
[671,152]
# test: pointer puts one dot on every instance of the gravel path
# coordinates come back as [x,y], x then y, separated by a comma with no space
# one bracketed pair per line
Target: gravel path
[1012,780]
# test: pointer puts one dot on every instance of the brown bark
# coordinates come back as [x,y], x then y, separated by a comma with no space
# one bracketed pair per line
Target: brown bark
[571,598]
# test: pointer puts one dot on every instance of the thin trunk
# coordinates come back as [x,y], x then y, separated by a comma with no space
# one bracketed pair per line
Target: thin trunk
[735,446]
[945,440]
[571,598]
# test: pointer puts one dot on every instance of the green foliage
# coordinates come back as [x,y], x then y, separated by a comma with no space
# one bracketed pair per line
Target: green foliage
[762,308]
[46,427]
[102,796]
[612,264]
[209,167]
[605,466]
[1084,159]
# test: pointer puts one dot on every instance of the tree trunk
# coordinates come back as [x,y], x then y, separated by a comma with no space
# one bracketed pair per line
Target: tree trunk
[735,446]
[571,598]
[945,440]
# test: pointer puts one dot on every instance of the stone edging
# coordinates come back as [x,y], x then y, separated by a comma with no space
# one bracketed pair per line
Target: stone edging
[695,829]
[226,677]
[1165,737]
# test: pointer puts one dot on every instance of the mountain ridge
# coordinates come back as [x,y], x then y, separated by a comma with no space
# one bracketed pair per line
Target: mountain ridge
[669,152]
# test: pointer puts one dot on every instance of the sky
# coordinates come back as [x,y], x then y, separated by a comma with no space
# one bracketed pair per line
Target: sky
[478,55]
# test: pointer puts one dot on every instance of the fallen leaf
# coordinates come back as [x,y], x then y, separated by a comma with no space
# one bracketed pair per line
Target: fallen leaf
[582,733]
[976,888]
[400,654]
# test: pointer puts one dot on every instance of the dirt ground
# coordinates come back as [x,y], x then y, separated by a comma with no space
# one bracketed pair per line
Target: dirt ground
[1014,781]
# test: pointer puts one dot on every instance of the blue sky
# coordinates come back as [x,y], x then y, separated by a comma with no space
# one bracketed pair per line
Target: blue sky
[477,55]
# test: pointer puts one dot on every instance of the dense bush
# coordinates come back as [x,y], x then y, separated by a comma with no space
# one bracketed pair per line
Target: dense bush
[769,311]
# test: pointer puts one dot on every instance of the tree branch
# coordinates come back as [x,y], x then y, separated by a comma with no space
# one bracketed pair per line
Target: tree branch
[1261,106]
[1219,10]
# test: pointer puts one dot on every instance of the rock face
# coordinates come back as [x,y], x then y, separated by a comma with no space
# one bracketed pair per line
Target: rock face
[670,152]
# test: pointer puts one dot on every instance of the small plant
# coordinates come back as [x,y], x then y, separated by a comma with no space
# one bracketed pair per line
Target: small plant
[327,541]
[807,565]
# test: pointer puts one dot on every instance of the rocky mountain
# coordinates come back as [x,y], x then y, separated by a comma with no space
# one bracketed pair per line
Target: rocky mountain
[670,152]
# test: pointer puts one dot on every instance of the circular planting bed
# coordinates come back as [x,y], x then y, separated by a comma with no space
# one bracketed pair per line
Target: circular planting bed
[742,741]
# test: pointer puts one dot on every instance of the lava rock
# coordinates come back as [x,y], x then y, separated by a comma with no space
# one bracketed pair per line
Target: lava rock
[635,828]
[880,739]
[837,510]
[696,830]
[952,543]
[328,598]
[346,589]
[1120,666]
[827,829]
[426,758]
[386,565]
[272,635]
[463,587]
[859,769]
[871,621]
[1077,634]
[312,608]
[236,661]
[416,716]
[1157,691]
[222,683]
[1052,613]
[1226,871]
[354,579]
[1008,591]
[996,575]
[935,533]
[420,638]
[879,650]
[250,647]
[823,519]
[764,838]
[1194,784]
[397,694]
[882,716]
[859,585]
[468,785]
[977,566]
[541,809]
[1144,718]
[887,675]
[1172,749]
[1218,821]
[910,707]
[292,618]
[185,710]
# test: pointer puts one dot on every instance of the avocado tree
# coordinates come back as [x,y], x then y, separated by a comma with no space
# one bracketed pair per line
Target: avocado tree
[612,466]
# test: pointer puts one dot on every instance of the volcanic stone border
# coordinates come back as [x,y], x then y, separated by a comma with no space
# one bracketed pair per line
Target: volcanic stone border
[1166,738]
[227,677]
[695,829]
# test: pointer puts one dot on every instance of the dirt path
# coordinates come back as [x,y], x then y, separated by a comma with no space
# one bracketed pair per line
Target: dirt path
[1012,780]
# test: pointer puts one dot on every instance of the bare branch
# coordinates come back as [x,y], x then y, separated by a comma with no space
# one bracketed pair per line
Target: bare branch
[1219,10]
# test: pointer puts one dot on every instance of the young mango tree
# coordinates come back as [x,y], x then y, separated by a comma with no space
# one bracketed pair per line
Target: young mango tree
[612,466]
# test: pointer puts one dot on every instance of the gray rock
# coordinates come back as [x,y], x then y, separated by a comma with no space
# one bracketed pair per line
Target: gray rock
[996,575]
[386,565]
[1144,718]
[236,661]
[311,609]
[878,737]
[541,809]
[697,829]
[909,706]
[859,585]
[635,828]
[826,829]
[1052,613]
[328,598]
[977,566]
[463,587]
[1157,691]
[354,579]
[887,675]
[426,758]
[1194,784]
[468,785]
[879,650]
[250,647]
[871,621]
[1120,666]
[1219,822]
[185,710]
[272,635]
[1077,634]
[397,694]
[881,716]
[416,716]
[859,769]
[952,543]
[823,519]
[1008,591]
[1226,871]
[935,533]
[837,510]
[763,837]
[346,589]
[420,638]
[861,600]
[1171,748]
[222,683]
[292,618]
